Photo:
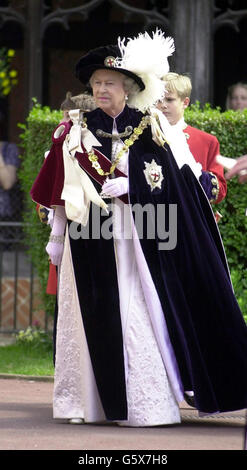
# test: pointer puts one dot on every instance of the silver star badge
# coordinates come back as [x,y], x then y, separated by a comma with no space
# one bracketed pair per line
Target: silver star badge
[153,174]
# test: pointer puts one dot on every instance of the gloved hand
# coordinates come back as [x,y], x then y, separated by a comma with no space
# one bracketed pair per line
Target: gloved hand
[55,252]
[56,241]
[116,187]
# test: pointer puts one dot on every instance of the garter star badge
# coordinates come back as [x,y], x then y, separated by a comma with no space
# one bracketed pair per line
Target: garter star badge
[153,174]
[110,61]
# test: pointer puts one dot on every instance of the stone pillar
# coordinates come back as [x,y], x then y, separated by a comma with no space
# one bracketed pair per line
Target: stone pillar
[191,27]
[33,52]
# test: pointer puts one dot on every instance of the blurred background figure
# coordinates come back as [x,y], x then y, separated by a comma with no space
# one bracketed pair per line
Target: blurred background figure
[237,97]
[84,102]
[10,197]
[239,169]
[66,105]
[9,163]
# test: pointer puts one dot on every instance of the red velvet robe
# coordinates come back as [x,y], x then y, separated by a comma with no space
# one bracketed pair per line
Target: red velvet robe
[204,147]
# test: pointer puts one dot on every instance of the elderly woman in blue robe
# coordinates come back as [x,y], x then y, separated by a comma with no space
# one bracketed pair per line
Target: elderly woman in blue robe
[146,310]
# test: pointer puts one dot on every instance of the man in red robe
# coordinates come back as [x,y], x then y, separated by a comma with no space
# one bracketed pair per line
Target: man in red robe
[203,146]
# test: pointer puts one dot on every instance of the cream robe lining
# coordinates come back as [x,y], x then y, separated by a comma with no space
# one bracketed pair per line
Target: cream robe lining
[75,390]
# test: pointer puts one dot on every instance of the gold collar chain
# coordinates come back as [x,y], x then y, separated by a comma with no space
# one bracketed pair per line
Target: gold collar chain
[127,143]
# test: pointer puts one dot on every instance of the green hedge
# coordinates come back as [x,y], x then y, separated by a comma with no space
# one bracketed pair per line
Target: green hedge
[231,130]
[36,140]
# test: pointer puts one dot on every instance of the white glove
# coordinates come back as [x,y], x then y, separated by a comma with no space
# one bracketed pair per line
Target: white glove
[56,241]
[115,187]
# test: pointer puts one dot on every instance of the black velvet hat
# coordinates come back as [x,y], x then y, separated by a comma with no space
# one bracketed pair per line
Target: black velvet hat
[102,58]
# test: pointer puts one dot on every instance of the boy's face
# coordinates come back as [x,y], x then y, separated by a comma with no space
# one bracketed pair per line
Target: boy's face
[173,107]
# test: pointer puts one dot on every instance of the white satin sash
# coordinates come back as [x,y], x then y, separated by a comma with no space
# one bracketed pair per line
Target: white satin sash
[78,190]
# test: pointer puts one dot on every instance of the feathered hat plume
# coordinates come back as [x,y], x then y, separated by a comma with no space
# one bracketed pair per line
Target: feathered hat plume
[147,57]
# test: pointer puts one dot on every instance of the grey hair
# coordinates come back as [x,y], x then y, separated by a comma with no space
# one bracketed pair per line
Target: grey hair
[130,87]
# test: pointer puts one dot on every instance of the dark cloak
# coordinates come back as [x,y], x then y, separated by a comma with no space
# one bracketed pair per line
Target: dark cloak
[205,324]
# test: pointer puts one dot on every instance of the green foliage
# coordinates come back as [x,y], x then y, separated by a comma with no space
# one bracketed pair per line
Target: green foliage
[36,338]
[230,128]
[25,359]
[8,75]
[36,140]
[239,281]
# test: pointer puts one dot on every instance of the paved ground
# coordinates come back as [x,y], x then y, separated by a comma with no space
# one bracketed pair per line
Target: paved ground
[26,423]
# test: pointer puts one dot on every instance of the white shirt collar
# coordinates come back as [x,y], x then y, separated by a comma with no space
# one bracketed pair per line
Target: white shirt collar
[181,124]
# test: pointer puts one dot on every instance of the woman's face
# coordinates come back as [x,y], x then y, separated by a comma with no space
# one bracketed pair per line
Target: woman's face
[108,91]
[238,100]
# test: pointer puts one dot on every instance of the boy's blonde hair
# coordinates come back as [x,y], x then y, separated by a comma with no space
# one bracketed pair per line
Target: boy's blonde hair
[180,84]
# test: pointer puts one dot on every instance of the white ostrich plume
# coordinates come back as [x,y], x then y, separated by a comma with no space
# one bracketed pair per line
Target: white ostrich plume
[146,56]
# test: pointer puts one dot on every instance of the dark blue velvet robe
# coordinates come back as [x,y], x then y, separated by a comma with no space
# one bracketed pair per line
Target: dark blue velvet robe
[206,326]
